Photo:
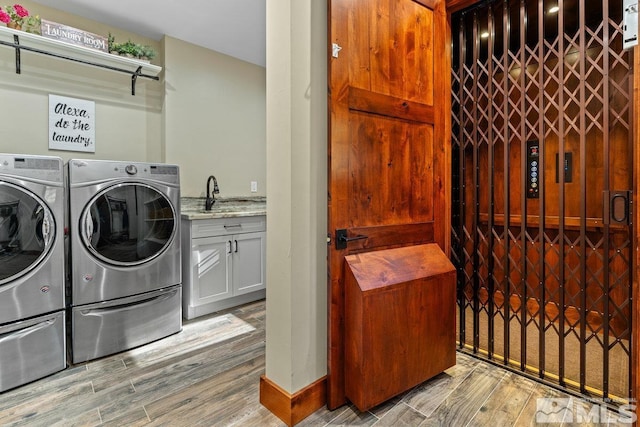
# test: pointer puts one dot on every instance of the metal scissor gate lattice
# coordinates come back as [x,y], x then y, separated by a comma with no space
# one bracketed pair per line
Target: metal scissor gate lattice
[542,168]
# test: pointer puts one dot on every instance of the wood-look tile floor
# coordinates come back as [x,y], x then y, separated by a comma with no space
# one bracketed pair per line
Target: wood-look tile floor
[208,375]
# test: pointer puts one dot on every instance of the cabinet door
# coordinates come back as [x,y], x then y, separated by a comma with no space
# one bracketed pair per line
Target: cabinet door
[248,262]
[211,257]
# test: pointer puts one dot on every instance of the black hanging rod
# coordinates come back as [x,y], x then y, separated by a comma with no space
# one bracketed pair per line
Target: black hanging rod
[18,47]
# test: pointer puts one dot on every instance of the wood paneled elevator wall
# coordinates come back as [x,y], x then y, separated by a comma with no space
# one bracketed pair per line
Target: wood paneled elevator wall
[544,252]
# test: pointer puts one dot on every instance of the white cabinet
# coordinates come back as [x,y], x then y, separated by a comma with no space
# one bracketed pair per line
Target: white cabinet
[248,262]
[210,270]
[223,263]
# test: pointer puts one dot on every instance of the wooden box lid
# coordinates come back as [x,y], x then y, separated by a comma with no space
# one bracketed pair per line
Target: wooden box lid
[381,269]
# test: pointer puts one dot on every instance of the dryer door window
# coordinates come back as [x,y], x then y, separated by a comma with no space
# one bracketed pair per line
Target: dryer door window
[26,231]
[128,224]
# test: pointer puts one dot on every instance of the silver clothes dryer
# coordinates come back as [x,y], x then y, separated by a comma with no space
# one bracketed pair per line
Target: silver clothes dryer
[32,293]
[124,221]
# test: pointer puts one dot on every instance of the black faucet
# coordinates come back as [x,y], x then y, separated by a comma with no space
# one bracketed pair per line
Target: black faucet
[208,203]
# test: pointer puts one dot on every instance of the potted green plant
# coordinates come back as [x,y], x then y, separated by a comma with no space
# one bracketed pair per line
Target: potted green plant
[148,53]
[111,44]
[131,49]
[32,24]
[128,49]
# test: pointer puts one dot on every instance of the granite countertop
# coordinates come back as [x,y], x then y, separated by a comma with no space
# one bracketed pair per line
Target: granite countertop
[225,207]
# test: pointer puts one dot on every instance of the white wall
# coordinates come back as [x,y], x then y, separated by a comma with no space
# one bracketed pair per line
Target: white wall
[207,113]
[126,126]
[296,353]
[214,119]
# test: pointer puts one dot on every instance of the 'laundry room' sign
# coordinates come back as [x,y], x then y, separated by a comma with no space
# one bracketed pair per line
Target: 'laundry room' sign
[72,124]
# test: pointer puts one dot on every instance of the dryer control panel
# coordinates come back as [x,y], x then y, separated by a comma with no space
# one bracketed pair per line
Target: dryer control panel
[85,171]
[46,168]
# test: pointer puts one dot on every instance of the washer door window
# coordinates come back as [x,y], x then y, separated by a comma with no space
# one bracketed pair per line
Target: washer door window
[128,224]
[26,231]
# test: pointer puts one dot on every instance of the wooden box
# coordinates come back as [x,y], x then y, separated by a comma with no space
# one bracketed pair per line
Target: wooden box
[400,307]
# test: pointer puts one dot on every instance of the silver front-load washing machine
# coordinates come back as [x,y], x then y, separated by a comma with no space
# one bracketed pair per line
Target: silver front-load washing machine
[124,220]
[32,294]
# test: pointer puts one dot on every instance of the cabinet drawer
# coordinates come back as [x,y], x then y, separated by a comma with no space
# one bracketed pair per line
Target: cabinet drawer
[222,226]
[32,349]
[112,326]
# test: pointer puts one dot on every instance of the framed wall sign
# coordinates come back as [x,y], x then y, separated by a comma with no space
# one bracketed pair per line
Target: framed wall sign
[72,124]
[67,34]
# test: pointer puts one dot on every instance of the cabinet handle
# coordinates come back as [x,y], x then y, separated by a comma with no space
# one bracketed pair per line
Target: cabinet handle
[228,246]
[236,242]
[232,225]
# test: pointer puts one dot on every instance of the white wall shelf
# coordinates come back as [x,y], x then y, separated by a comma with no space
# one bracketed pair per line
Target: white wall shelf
[20,40]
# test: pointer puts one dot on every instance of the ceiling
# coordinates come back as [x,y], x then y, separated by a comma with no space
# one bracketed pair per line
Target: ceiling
[233,27]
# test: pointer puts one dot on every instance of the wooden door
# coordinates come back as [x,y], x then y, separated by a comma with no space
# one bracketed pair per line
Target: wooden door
[389,161]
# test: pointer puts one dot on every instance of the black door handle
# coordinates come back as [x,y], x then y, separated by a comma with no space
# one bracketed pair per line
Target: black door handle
[342,239]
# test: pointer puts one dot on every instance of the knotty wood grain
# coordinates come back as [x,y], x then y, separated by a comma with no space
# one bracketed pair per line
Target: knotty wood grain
[400,321]
[431,394]
[66,399]
[385,105]
[212,369]
[503,406]
[436,401]
[388,164]
[463,403]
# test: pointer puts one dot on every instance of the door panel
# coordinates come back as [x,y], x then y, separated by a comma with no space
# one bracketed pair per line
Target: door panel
[401,56]
[397,178]
[388,153]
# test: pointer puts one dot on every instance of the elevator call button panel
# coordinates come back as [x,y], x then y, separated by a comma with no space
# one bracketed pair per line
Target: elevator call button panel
[533,170]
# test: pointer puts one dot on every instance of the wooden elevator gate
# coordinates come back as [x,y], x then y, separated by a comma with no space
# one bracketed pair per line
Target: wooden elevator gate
[542,171]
